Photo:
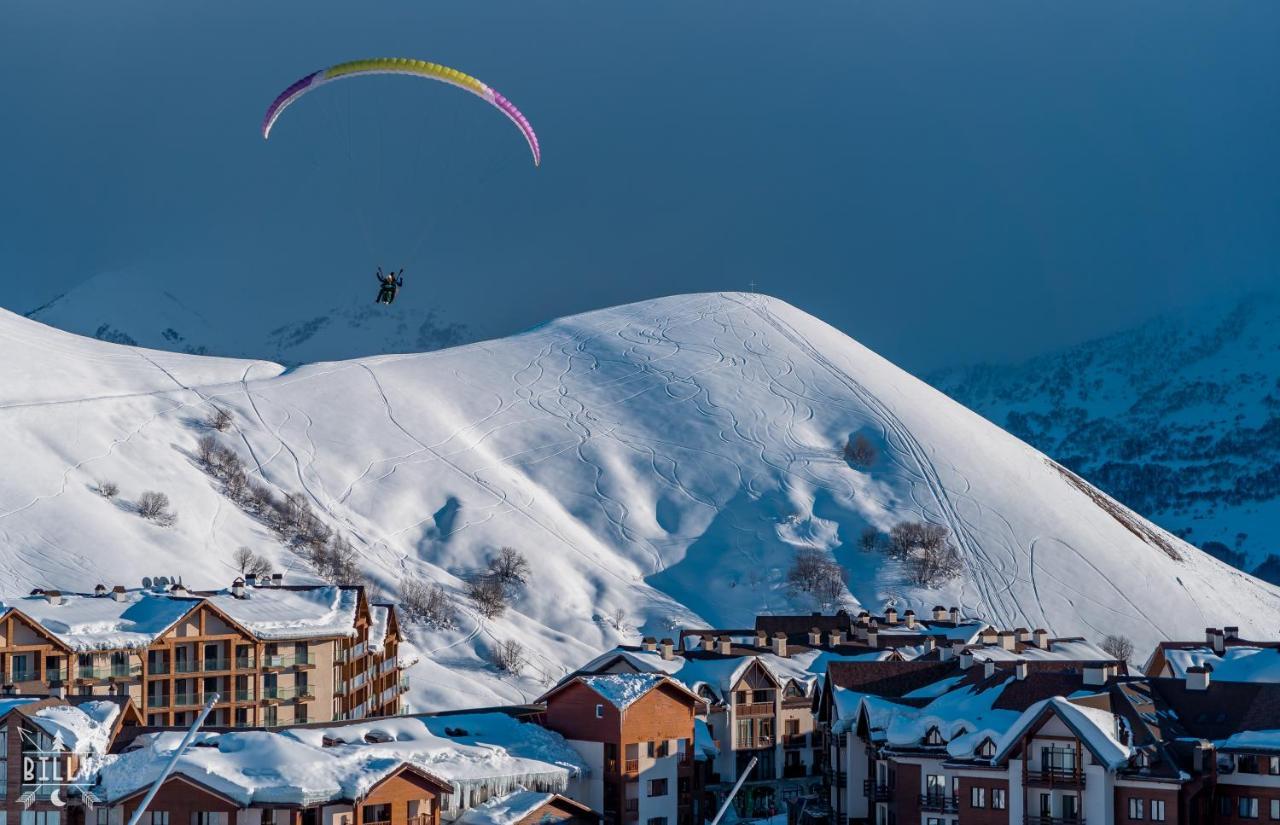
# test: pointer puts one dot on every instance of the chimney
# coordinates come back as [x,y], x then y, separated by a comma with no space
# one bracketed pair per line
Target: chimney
[668,649]
[988,668]
[725,644]
[99,590]
[815,637]
[989,635]
[237,588]
[1041,638]
[910,618]
[1095,674]
[762,639]
[1198,677]
[939,613]
[1202,757]
[649,644]
[955,615]
[836,637]
[945,653]
[780,644]
[890,615]
[1232,633]
[118,593]
[1007,639]
[873,635]
[708,643]
[178,590]
[53,596]
[929,644]
[1023,635]
[864,616]
[251,579]
[1020,669]
[966,659]
[277,579]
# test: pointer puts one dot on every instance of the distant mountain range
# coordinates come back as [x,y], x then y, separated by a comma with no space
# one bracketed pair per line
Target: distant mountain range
[1179,418]
[134,309]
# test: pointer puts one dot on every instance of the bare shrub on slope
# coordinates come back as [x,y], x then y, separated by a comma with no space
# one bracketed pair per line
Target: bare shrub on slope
[428,603]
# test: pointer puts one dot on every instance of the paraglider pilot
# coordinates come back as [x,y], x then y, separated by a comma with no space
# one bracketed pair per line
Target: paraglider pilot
[390,285]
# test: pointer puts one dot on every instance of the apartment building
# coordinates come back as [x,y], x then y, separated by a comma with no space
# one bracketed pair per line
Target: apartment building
[273,654]
[637,733]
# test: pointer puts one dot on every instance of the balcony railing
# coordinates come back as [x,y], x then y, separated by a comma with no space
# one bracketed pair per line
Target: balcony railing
[876,792]
[939,802]
[244,663]
[158,667]
[754,709]
[420,819]
[284,694]
[755,744]
[161,701]
[1056,776]
[245,695]
[798,740]
[186,666]
[631,766]
[1030,819]
[217,664]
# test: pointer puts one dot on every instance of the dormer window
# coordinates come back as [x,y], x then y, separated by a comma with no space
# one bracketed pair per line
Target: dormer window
[959,732]
[987,748]
[933,737]
[1144,759]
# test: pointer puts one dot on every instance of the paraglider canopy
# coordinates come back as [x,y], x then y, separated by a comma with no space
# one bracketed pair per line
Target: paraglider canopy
[404,66]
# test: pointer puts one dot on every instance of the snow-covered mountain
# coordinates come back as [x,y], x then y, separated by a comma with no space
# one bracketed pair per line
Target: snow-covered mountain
[663,461]
[1178,418]
[136,308]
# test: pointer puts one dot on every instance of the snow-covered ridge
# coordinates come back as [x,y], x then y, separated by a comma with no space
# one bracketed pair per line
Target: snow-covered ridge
[661,461]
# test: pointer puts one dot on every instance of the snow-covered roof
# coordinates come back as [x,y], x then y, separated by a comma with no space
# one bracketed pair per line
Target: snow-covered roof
[85,622]
[379,616]
[704,746]
[1095,727]
[84,729]
[475,753]
[1059,650]
[1251,741]
[623,689]
[507,809]
[964,718]
[1235,664]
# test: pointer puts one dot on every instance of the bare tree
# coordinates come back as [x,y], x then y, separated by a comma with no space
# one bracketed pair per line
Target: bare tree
[871,539]
[509,567]
[250,562]
[219,419]
[860,452]
[816,573]
[926,551]
[206,448]
[108,489]
[336,561]
[428,603]
[1120,647]
[488,595]
[509,656]
[155,507]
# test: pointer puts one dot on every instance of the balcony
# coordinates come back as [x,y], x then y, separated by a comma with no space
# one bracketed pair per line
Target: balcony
[244,663]
[939,803]
[158,667]
[754,709]
[795,771]
[420,819]
[55,675]
[161,701]
[631,766]
[288,694]
[246,695]
[1052,820]
[186,666]
[1056,776]
[214,665]
[876,792]
[755,744]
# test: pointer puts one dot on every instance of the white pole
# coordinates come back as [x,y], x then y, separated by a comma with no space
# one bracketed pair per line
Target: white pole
[737,785]
[173,760]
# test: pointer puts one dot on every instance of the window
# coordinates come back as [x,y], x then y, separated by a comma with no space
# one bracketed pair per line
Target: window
[1135,808]
[651,749]
[987,749]
[664,748]
[40,817]
[1224,805]
[1247,764]
[599,711]
[1273,765]
[208,818]
[933,820]
[376,813]
[158,817]
[657,787]
[933,737]
[1046,805]
[1157,810]
[977,797]
[268,816]
[1070,807]
[791,727]
[999,799]
[1248,807]
[1275,809]
[102,815]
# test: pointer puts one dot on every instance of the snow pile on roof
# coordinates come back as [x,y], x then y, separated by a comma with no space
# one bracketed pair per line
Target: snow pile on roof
[1236,664]
[964,718]
[289,613]
[99,623]
[1061,650]
[379,616]
[506,809]
[84,729]
[1096,729]
[623,689]
[1257,741]
[482,755]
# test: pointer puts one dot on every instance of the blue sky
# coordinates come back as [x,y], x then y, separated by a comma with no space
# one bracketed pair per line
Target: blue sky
[944,181]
